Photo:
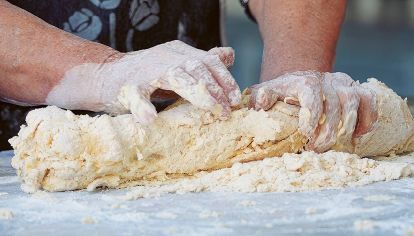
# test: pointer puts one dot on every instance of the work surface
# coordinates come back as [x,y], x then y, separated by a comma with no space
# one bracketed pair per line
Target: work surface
[381,209]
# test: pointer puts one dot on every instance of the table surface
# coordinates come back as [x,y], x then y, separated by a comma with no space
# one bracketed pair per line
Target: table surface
[386,208]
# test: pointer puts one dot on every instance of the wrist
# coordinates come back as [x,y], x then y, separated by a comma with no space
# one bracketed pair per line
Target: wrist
[83,86]
[281,60]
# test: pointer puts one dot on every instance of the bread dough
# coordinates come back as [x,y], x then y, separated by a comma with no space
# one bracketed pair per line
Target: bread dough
[59,151]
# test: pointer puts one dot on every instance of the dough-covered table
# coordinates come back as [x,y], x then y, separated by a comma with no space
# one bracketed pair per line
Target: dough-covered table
[381,209]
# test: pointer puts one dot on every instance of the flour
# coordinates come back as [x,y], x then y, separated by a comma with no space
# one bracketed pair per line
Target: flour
[6,214]
[379,198]
[166,215]
[317,171]
[209,214]
[247,203]
[364,225]
[409,231]
[88,220]
[311,210]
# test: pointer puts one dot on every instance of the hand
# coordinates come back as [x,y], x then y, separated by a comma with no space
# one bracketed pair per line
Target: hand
[333,106]
[126,83]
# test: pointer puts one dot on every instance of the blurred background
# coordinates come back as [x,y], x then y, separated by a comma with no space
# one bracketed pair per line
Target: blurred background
[377,40]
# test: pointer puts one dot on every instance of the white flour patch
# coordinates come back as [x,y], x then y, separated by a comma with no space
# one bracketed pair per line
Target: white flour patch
[6,214]
[379,198]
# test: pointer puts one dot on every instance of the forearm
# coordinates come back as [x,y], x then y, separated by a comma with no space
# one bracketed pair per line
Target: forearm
[298,34]
[34,55]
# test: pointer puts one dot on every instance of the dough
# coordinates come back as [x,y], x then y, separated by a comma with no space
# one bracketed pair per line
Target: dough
[59,151]
[289,173]
[364,225]
[6,214]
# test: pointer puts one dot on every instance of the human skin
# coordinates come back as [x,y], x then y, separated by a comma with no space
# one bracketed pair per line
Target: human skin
[298,35]
[35,55]
[43,65]
[299,39]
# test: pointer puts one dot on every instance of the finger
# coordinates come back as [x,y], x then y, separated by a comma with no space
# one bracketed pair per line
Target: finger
[309,94]
[262,98]
[224,78]
[367,111]
[200,72]
[139,105]
[303,86]
[226,55]
[325,136]
[349,101]
[193,90]
[183,48]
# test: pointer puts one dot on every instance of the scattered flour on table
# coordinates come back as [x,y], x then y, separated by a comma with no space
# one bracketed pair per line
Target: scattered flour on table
[409,231]
[209,214]
[289,173]
[88,220]
[247,203]
[6,214]
[379,198]
[311,210]
[166,215]
[364,225]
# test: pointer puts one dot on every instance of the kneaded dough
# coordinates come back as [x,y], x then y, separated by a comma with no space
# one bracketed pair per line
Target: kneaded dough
[59,151]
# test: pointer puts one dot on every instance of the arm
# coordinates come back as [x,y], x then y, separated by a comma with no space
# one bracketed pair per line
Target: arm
[34,55]
[299,43]
[43,65]
[298,35]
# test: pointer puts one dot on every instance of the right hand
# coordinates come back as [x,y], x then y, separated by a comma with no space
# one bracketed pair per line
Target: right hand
[201,77]
[333,106]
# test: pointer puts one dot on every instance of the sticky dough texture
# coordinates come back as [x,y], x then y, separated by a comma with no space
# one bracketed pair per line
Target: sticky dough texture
[59,151]
[393,133]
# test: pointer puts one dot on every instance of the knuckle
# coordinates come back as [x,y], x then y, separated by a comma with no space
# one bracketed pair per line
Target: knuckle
[193,64]
[214,58]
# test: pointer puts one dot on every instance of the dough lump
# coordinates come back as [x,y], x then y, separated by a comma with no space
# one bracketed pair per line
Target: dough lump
[58,151]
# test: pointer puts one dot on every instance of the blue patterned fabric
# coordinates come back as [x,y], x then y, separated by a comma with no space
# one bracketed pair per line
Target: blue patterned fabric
[130,25]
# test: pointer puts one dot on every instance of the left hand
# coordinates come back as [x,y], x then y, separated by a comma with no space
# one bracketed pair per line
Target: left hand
[333,106]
